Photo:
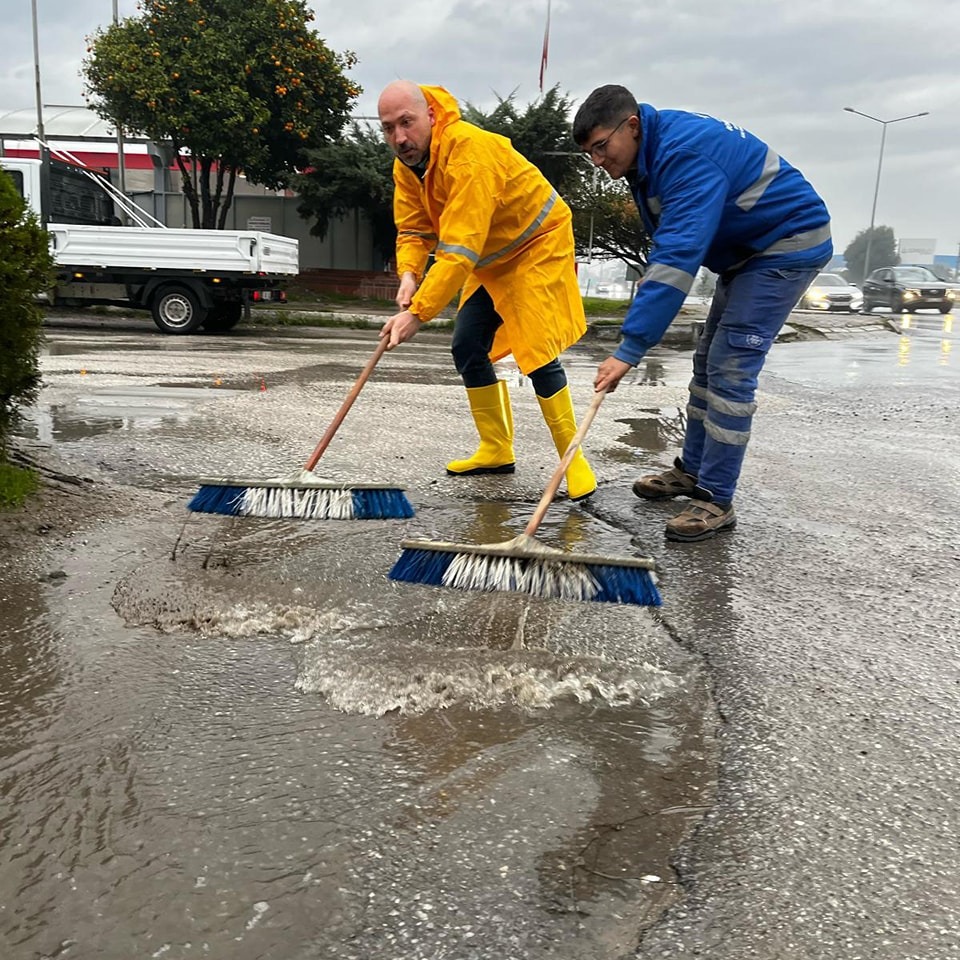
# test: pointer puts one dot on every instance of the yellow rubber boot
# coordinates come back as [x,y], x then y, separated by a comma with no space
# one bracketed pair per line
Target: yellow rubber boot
[493,417]
[558,413]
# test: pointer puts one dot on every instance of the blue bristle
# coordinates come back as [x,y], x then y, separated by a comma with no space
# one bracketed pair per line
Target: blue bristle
[422,566]
[217,499]
[381,505]
[625,585]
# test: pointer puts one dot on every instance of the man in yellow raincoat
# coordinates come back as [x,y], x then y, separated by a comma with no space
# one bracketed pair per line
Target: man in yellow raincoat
[502,236]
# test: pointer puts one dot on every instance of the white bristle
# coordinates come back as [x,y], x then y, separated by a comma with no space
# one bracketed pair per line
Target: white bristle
[279,502]
[539,578]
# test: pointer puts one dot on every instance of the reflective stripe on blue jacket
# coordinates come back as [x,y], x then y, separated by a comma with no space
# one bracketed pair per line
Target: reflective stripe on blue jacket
[711,194]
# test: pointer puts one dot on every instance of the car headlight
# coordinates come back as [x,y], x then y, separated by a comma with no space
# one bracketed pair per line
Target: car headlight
[951,295]
[911,294]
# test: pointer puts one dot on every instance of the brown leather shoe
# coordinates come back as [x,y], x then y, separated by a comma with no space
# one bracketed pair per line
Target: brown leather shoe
[700,520]
[661,486]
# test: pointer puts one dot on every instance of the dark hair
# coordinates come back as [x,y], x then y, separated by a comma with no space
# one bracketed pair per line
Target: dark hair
[604,107]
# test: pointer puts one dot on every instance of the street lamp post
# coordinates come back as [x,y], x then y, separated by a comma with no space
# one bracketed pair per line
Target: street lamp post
[876,189]
[41,135]
[121,159]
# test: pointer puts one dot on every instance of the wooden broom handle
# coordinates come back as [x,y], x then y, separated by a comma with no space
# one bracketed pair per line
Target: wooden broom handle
[554,484]
[347,404]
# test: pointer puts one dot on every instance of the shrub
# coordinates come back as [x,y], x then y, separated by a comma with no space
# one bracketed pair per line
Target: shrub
[25,271]
[16,484]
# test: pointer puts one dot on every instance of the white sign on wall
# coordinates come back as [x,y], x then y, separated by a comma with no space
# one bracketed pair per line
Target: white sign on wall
[916,251]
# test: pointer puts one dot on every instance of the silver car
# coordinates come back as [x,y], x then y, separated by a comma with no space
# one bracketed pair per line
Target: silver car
[829,291]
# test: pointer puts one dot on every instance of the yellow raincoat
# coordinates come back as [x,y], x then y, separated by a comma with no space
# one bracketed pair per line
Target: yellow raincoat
[491,218]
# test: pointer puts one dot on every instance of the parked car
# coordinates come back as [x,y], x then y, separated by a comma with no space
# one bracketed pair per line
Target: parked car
[905,289]
[829,291]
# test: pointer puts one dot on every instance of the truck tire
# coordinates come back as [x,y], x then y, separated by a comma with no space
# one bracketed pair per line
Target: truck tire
[176,309]
[223,317]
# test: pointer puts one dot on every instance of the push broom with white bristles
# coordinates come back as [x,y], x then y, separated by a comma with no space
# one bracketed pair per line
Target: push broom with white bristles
[524,565]
[304,496]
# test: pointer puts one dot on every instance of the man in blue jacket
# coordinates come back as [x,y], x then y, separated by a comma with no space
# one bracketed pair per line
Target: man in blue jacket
[709,194]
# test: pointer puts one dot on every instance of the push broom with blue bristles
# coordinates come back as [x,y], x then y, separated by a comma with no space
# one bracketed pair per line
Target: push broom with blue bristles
[524,565]
[303,495]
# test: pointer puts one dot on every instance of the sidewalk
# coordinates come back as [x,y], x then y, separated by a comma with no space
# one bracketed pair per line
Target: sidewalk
[683,332]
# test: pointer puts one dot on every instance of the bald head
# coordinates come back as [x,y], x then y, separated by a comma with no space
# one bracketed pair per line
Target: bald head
[406,120]
[401,93]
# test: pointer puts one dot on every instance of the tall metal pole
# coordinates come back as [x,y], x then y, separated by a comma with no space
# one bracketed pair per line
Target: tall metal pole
[41,136]
[876,189]
[873,209]
[592,208]
[121,160]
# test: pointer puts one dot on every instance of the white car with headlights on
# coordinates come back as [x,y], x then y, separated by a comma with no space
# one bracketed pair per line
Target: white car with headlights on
[829,291]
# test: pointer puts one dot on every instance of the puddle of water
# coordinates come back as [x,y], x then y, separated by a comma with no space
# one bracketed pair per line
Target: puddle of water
[172,793]
[113,409]
[661,429]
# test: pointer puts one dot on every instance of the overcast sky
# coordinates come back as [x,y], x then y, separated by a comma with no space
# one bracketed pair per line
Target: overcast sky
[784,69]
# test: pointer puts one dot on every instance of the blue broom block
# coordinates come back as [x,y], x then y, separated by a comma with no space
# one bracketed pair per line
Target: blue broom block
[513,567]
[367,502]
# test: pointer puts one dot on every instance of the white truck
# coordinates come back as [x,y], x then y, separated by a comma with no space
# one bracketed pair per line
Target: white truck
[187,279]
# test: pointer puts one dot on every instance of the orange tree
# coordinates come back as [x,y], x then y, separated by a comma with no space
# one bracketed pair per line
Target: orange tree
[231,85]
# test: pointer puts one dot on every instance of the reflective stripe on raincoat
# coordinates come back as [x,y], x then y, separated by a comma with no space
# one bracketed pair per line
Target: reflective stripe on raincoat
[490,218]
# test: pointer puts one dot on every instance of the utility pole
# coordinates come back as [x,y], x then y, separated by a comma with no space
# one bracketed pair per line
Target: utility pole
[41,136]
[121,160]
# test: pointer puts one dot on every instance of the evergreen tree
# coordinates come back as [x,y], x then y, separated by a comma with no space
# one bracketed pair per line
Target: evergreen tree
[26,268]
[883,253]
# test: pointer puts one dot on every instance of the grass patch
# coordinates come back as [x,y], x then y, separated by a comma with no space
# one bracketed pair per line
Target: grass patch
[601,307]
[16,484]
[294,318]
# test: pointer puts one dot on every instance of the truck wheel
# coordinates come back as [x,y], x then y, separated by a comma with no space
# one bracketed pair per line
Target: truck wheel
[223,317]
[176,309]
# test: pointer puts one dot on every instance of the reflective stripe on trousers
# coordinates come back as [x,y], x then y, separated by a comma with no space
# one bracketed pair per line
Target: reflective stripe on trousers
[744,318]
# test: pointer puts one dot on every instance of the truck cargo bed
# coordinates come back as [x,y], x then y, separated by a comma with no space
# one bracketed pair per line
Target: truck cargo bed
[194,251]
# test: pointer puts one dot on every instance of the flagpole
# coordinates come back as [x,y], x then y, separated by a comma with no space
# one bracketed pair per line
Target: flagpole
[546,45]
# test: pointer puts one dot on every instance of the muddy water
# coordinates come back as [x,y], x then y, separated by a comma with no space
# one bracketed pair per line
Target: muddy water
[235,738]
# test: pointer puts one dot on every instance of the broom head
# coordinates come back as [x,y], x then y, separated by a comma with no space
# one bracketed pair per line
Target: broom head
[302,496]
[524,565]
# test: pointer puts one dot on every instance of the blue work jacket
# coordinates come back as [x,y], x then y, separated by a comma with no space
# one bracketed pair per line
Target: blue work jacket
[711,194]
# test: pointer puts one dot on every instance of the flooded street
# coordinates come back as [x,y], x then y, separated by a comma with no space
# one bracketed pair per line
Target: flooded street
[236,738]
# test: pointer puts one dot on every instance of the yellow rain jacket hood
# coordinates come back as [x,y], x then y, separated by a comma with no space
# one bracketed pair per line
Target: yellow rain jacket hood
[491,218]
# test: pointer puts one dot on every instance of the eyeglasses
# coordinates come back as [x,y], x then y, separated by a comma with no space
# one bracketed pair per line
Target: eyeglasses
[599,149]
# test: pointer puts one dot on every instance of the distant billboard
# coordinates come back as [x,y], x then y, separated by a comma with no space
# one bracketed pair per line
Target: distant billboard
[916,251]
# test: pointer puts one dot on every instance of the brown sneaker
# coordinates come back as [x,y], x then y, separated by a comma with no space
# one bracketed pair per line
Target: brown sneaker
[661,486]
[700,520]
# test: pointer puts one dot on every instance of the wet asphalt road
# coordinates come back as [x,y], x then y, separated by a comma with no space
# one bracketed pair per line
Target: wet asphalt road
[816,642]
